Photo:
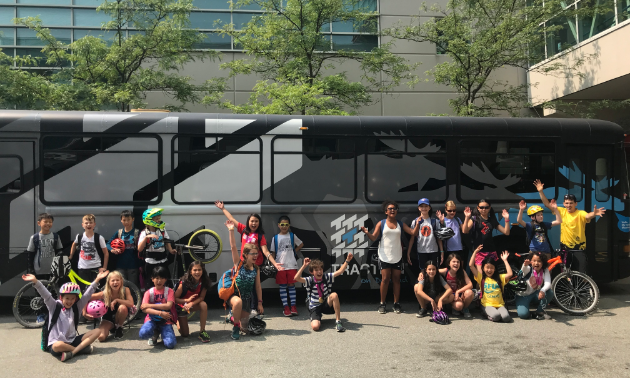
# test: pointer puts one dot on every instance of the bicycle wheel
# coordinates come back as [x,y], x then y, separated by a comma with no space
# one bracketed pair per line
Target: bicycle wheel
[575,293]
[210,243]
[509,296]
[137,301]
[29,308]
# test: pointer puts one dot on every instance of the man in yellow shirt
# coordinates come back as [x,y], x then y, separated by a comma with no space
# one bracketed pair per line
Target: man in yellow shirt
[572,231]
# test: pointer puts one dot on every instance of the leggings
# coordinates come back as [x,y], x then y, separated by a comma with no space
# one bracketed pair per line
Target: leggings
[497,314]
[523,302]
[168,335]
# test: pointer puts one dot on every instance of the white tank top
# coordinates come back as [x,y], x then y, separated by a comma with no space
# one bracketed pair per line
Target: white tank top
[390,249]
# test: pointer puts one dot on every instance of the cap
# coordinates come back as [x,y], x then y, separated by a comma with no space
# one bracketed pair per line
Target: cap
[424,201]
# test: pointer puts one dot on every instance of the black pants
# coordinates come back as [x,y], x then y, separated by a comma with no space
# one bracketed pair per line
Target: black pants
[575,258]
[148,272]
[424,257]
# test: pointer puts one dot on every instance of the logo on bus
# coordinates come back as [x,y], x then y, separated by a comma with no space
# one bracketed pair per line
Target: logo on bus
[348,237]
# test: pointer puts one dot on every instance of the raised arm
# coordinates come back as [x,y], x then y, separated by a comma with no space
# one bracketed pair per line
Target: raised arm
[554,209]
[343,266]
[229,216]
[539,187]
[508,268]
[236,258]
[595,213]
[468,223]
[505,230]
[519,218]
[471,264]
[298,276]
[375,234]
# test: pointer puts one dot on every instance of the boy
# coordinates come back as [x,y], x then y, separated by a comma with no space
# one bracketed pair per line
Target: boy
[158,305]
[63,340]
[90,243]
[152,239]
[42,246]
[537,229]
[572,231]
[284,248]
[127,262]
[318,288]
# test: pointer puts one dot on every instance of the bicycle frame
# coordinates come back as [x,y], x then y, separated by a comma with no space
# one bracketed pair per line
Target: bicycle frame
[74,277]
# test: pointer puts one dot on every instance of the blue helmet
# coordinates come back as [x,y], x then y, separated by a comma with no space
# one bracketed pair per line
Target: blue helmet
[147,218]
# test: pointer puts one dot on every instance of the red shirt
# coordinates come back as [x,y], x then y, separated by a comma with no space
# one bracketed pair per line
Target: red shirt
[252,238]
[451,281]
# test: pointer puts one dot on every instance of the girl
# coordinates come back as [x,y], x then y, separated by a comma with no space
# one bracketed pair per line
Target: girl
[453,244]
[491,284]
[538,286]
[537,229]
[189,295]
[158,304]
[482,223]
[246,283]
[118,300]
[251,233]
[390,251]
[459,282]
[431,286]
[429,247]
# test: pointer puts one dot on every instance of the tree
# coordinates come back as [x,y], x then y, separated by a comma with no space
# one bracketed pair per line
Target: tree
[481,37]
[287,49]
[21,88]
[94,73]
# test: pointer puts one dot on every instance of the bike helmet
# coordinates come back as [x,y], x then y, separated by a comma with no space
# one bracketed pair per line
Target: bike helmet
[96,309]
[118,244]
[60,266]
[518,285]
[147,218]
[440,317]
[268,269]
[69,288]
[444,233]
[533,210]
[256,326]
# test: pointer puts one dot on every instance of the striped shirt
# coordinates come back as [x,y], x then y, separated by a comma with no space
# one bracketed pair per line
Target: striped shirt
[312,292]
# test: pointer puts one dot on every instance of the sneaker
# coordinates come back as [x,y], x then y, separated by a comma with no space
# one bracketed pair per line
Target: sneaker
[397,308]
[456,313]
[203,336]
[65,356]
[294,310]
[287,311]
[253,314]
[382,309]
[542,316]
[119,333]
[41,318]
[87,350]
[236,333]
[339,327]
[467,313]
[422,313]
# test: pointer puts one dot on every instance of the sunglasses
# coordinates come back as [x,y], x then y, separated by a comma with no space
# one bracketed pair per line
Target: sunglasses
[392,209]
[570,197]
[483,207]
[451,211]
[284,224]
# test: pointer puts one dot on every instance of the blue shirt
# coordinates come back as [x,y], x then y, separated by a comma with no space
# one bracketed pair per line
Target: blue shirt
[454,243]
[537,236]
[129,258]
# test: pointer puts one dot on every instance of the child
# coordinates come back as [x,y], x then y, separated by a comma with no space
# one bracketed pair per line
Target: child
[491,284]
[158,304]
[251,233]
[453,244]
[431,287]
[537,229]
[63,340]
[538,286]
[152,240]
[429,247]
[118,300]
[189,295]
[459,282]
[127,262]
[480,223]
[247,282]
[90,243]
[43,246]
[321,301]
[284,249]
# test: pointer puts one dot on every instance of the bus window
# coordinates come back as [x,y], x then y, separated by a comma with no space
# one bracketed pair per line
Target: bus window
[602,180]
[313,170]
[504,169]
[405,169]
[97,169]
[11,178]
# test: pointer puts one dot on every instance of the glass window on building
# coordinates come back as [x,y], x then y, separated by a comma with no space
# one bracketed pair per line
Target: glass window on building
[211,4]
[242,19]
[90,17]
[49,16]
[215,41]
[45,2]
[355,42]
[107,35]
[591,26]
[207,20]
[6,36]
[6,15]
[623,8]
[28,37]
[561,34]
[94,3]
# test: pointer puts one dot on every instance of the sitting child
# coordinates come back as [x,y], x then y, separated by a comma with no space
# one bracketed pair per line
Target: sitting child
[63,338]
[318,288]
[118,300]
[189,295]
[158,304]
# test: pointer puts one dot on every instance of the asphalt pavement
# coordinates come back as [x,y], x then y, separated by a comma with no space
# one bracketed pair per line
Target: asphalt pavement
[373,345]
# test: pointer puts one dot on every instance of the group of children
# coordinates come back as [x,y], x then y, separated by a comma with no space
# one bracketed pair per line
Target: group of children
[442,280]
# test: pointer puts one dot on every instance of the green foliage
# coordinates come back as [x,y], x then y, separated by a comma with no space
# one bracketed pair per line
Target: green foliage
[94,73]
[482,37]
[286,48]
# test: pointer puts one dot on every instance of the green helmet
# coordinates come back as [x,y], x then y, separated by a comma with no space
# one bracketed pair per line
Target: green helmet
[149,214]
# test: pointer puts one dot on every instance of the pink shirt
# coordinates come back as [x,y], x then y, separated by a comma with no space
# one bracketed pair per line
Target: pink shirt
[158,298]
[252,238]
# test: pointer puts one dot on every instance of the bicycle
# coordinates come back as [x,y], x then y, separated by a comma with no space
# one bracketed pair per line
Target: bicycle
[574,292]
[28,306]
[204,245]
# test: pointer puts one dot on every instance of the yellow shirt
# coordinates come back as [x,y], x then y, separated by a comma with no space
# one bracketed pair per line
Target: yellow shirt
[492,294]
[572,228]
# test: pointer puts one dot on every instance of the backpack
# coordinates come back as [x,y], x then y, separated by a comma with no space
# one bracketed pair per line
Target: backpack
[97,245]
[143,254]
[55,316]
[152,301]
[38,248]
[528,238]
[136,232]
[227,282]
[275,244]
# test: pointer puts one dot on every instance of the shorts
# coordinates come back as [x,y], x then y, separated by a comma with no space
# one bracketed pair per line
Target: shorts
[286,277]
[383,265]
[482,255]
[75,343]
[323,309]
[181,312]
[110,315]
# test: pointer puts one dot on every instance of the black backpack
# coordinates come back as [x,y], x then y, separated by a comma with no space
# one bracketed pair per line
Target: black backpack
[97,245]
[55,316]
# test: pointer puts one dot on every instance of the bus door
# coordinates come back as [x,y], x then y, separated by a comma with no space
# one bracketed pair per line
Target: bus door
[17,208]
[599,192]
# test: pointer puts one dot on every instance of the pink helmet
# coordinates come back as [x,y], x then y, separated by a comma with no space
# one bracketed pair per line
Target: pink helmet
[96,309]
[69,288]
